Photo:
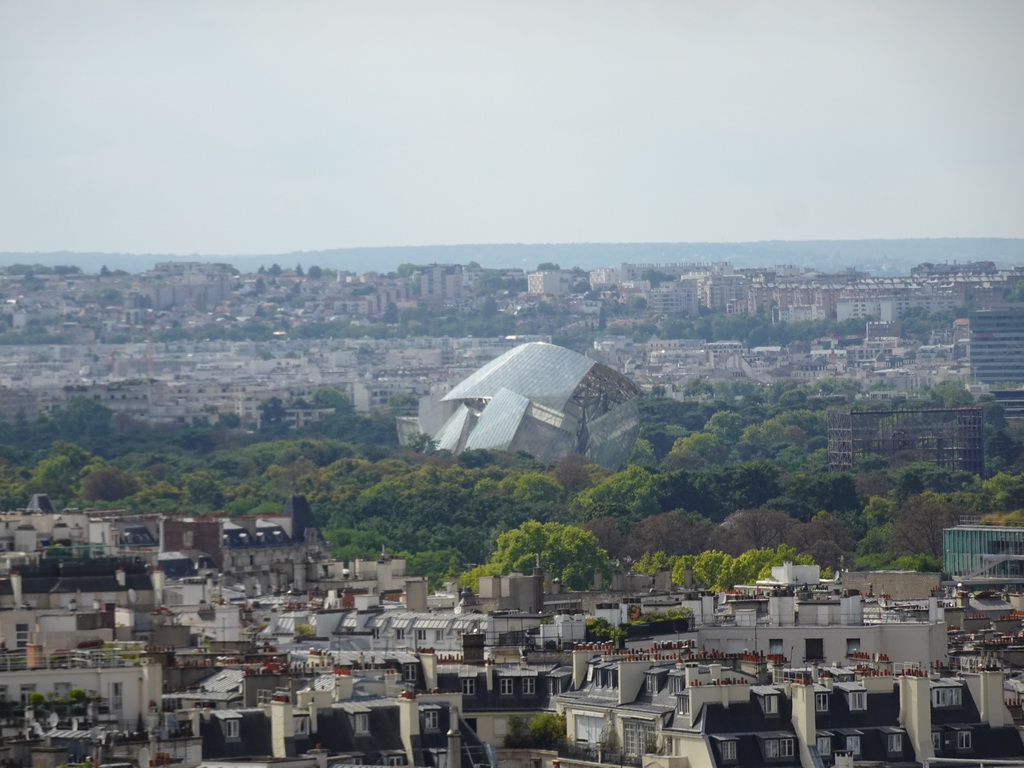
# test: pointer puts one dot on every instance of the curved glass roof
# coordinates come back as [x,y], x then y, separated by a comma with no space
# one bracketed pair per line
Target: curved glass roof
[545,373]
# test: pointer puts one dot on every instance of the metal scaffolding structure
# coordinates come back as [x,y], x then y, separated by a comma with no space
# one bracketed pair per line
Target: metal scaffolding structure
[952,438]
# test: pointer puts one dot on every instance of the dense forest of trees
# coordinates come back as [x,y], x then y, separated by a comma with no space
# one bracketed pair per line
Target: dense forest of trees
[730,470]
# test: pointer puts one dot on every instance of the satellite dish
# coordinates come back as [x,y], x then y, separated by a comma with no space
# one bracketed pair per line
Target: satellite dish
[133,596]
[52,720]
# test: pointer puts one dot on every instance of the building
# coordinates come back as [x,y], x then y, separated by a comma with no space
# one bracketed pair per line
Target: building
[984,554]
[542,399]
[997,344]
[952,438]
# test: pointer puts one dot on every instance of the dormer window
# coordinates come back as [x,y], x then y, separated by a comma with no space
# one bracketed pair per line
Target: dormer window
[684,705]
[858,701]
[821,702]
[652,684]
[302,725]
[947,696]
[770,702]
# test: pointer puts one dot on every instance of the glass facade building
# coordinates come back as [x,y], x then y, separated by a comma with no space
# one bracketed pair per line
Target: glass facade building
[547,401]
[984,553]
[997,344]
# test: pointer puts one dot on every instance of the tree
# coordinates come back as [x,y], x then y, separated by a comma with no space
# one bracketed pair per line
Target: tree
[272,412]
[630,494]
[675,533]
[567,551]
[755,529]
[918,524]
[108,484]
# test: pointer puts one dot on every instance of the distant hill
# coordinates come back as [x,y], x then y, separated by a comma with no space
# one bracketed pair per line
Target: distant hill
[875,256]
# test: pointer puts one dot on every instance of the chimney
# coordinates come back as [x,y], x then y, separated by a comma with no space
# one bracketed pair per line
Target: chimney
[16,589]
[409,723]
[159,581]
[416,595]
[454,740]
[282,725]
[916,713]
[320,755]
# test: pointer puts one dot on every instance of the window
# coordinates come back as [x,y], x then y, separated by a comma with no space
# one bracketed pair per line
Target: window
[554,685]
[894,743]
[771,704]
[652,684]
[853,745]
[677,683]
[376,633]
[821,702]
[396,759]
[116,696]
[963,740]
[778,748]
[824,746]
[3,693]
[430,720]
[421,635]
[775,646]
[20,634]
[231,729]
[410,673]
[937,741]
[684,705]
[302,725]
[636,736]
[947,696]
[361,722]
[505,686]
[852,645]
[468,686]
[728,750]
[858,701]
[399,634]
[529,685]
[814,649]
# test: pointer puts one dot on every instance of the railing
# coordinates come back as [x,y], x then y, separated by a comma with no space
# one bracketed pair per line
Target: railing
[104,657]
[595,754]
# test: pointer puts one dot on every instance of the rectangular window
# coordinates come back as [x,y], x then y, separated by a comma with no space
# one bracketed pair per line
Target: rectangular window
[894,744]
[468,685]
[963,740]
[302,725]
[824,746]
[814,649]
[652,684]
[421,635]
[853,745]
[396,759]
[852,645]
[821,702]
[676,684]
[361,722]
[430,720]
[636,735]
[858,701]
[684,705]
[937,741]
[505,686]
[728,749]
[231,729]
[771,705]
[775,646]
[20,634]
[409,673]
[529,685]
[947,696]
[554,686]
[399,634]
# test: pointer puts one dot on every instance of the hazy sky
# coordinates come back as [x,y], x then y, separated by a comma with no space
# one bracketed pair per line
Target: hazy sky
[224,127]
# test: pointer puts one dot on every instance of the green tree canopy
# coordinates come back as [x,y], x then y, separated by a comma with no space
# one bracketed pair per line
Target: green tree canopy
[567,551]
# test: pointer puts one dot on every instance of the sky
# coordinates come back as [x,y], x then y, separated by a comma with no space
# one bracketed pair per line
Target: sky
[247,126]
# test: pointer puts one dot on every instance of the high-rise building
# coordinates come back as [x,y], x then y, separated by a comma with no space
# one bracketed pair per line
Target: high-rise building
[997,344]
